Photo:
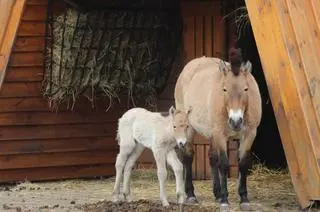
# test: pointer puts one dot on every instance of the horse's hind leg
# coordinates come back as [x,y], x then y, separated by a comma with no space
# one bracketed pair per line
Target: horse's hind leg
[128,170]
[213,158]
[187,159]
[245,164]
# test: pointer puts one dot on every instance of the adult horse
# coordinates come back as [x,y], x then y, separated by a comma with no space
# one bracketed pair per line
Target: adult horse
[226,104]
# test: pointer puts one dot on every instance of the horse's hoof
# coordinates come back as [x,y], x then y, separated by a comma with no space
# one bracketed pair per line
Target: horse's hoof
[246,206]
[191,200]
[115,198]
[218,200]
[181,198]
[224,207]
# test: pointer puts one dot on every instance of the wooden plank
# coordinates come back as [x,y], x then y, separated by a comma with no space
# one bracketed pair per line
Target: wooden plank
[57,131]
[199,36]
[58,145]
[21,89]
[218,37]
[24,74]
[29,44]
[56,159]
[52,118]
[30,59]
[6,7]
[194,163]
[308,49]
[31,28]
[35,13]
[206,8]
[200,162]
[23,104]
[57,173]
[208,36]
[208,174]
[9,20]
[267,31]
[37,2]
[188,37]
[35,104]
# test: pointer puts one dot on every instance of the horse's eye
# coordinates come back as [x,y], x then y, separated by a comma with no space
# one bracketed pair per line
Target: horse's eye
[225,90]
[246,89]
[174,127]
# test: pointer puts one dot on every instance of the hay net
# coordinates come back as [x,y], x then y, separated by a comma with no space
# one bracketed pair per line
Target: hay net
[110,52]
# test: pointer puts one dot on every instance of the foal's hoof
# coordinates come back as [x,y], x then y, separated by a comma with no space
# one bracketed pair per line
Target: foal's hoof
[165,203]
[246,206]
[191,200]
[218,200]
[224,207]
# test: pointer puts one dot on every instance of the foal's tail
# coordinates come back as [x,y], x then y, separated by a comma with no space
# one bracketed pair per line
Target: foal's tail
[125,128]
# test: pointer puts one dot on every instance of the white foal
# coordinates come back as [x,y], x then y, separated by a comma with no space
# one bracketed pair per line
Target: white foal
[138,129]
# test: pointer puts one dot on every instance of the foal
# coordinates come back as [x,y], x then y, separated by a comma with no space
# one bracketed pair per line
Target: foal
[138,129]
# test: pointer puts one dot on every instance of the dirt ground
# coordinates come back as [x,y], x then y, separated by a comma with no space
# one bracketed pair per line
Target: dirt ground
[268,191]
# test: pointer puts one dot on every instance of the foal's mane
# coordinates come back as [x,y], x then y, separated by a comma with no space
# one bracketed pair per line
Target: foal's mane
[235,57]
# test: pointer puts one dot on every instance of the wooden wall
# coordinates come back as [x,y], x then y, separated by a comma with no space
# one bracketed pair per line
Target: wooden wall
[36,143]
[204,33]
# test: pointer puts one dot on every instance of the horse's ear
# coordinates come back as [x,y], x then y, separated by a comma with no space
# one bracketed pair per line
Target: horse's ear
[247,67]
[172,110]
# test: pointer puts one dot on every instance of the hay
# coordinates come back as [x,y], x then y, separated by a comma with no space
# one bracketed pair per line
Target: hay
[109,53]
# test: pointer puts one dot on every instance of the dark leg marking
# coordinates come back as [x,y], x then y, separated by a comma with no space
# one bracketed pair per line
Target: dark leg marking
[189,188]
[223,168]
[216,188]
[245,164]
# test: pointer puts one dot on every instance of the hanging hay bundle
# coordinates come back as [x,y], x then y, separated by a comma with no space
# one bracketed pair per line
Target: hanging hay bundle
[110,53]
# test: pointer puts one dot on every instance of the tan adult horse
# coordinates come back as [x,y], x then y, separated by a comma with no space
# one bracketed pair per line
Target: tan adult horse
[226,104]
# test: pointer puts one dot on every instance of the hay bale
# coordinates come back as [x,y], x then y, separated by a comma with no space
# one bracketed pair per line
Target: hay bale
[110,53]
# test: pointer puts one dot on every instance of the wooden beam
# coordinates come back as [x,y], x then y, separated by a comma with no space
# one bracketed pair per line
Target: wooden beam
[10,15]
[285,32]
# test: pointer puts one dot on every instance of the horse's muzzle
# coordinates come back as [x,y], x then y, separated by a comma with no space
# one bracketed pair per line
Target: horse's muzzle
[236,124]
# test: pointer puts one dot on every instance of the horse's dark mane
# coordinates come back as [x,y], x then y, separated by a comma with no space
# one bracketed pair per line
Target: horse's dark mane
[235,57]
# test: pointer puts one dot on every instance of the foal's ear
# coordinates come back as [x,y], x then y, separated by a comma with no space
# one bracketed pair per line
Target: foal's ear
[247,67]
[223,67]
[188,111]
[172,110]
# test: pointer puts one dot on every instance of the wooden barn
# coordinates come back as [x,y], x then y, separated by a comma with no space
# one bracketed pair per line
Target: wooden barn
[43,136]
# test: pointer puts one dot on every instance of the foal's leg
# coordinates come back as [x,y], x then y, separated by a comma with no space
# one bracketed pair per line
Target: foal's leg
[214,159]
[245,164]
[125,151]
[160,158]
[223,165]
[177,167]
[128,170]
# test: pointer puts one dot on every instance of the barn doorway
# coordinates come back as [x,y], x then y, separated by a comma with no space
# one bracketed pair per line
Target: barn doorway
[267,147]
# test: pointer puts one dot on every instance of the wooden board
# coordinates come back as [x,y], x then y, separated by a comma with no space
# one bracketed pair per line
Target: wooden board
[10,15]
[286,34]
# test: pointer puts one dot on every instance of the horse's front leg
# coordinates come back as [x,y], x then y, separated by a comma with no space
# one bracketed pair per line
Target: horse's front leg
[245,164]
[160,158]
[177,167]
[221,143]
